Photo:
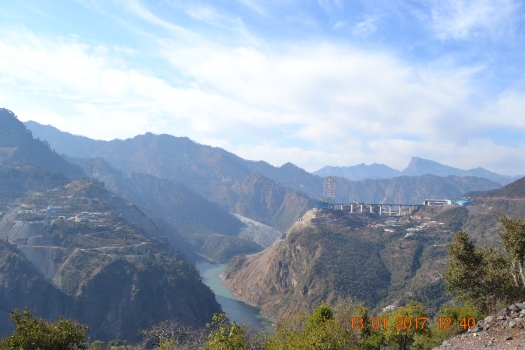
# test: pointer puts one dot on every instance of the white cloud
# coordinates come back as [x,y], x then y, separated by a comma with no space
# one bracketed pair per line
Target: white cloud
[341,104]
[463,19]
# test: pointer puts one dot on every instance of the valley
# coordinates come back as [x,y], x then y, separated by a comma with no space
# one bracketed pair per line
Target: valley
[146,226]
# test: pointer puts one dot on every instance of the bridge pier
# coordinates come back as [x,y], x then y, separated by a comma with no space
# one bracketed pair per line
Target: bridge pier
[380,209]
[351,208]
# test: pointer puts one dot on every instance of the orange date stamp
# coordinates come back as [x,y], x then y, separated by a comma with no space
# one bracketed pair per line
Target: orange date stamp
[402,323]
[446,323]
[406,323]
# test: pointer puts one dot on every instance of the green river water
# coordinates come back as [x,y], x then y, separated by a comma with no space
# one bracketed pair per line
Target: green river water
[237,310]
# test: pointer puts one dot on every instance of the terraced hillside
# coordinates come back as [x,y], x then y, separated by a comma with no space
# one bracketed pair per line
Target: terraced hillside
[101,259]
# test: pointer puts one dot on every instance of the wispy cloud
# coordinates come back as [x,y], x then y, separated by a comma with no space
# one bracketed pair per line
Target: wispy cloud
[331,6]
[365,27]
[254,5]
[313,102]
[463,19]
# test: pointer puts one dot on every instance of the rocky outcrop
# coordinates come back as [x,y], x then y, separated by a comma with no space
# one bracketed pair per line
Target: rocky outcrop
[503,330]
[46,259]
[309,265]
[257,232]
[19,232]
[114,270]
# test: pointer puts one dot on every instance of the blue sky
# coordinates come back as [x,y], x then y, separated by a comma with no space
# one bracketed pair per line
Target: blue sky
[313,82]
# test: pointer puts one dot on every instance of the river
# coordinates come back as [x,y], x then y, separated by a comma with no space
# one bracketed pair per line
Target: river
[237,310]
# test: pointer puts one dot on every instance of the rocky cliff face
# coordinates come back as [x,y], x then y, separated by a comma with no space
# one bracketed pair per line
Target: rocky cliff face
[104,263]
[311,264]
[261,234]
[335,255]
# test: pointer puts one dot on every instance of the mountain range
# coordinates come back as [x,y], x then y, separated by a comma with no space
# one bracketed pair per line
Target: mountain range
[160,202]
[336,255]
[74,248]
[416,167]
[219,175]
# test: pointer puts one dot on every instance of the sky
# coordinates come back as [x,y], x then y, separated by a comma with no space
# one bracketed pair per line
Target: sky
[312,82]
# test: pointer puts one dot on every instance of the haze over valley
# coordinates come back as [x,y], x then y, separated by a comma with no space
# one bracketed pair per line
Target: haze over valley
[262,175]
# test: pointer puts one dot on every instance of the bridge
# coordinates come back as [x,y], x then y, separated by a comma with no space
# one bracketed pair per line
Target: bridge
[382,206]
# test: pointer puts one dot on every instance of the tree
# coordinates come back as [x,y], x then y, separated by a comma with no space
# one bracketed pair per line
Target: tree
[446,324]
[170,335]
[323,329]
[225,335]
[513,239]
[320,315]
[479,276]
[404,324]
[33,333]
[98,345]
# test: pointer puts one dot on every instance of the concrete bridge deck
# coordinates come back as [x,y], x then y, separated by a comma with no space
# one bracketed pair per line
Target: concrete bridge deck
[380,206]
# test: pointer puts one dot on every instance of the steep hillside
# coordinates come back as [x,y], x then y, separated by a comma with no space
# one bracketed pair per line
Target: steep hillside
[481,220]
[200,161]
[101,259]
[257,232]
[512,190]
[207,229]
[409,189]
[209,171]
[218,176]
[263,200]
[17,146]
[64,142]
[21,285]
[291,176]
[503,330]
[337,256]
[183,208]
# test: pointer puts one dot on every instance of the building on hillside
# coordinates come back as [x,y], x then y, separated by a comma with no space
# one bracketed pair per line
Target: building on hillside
[326,205]
[52,210]
[464,202]
[437,202]
[391,220]
[321,205]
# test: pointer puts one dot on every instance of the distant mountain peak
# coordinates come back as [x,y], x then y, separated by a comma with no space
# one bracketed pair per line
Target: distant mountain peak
[360,172]
[420,166]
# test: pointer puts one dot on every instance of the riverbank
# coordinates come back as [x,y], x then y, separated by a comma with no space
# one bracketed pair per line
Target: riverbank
[237,310]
